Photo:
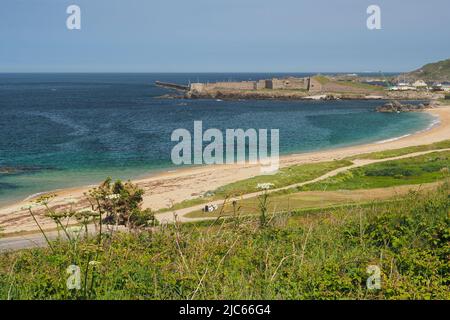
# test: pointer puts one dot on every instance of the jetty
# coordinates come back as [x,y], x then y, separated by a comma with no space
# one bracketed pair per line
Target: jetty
[169,85]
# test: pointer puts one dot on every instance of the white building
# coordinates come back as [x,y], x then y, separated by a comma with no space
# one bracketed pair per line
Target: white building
[420,84]
[404,86]
[441,87]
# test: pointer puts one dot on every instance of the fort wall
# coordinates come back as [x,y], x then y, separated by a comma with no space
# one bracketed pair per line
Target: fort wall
[290,83]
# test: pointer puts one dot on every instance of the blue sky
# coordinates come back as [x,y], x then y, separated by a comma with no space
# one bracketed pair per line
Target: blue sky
[222,36]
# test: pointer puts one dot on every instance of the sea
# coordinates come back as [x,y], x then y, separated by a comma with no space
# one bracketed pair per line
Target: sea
[68,130]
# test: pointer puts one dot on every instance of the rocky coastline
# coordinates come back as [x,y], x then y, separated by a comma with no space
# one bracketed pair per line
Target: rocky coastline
[397,107]
[297,95]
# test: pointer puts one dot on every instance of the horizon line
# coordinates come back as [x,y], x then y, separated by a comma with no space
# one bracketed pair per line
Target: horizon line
[187,72]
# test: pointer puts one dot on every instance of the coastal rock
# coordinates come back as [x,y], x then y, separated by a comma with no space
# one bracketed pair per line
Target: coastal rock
[170,96]
[397,107]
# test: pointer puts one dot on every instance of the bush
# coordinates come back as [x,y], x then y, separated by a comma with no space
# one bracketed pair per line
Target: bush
[121,204]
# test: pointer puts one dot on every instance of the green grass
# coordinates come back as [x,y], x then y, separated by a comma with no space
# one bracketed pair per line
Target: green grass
[354,84]
[288,201]
[360,85]
[285,177]
[423,169]
[321,254]
[403,151]
[416,170]
[437,71]
[322,79]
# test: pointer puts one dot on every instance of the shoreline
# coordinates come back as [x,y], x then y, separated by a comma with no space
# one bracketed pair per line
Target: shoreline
[175,185]
[176,169]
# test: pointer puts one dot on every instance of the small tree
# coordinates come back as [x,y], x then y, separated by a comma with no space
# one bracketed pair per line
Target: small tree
[121,204]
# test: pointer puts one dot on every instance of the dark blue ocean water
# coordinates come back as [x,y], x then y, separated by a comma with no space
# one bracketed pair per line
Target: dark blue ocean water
[63,130]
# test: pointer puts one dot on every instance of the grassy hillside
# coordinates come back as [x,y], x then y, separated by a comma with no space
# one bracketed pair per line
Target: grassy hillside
[438,71]
[323,254]
[422,169]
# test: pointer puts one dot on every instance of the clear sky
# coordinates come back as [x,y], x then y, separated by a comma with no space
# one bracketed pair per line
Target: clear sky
[222,35]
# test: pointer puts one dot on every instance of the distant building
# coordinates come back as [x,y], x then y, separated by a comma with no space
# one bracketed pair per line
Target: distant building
[420,84]
[405,86]
[445,86]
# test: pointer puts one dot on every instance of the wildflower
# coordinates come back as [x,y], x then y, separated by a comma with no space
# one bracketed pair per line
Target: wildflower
[113,196]
[71,201]
[264,186]
[75,230]
[29,206]
[45,199]
[94,263]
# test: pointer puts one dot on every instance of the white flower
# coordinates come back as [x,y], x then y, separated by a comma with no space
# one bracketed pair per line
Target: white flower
[113,196]
[75,229]
[28,207]
[94,263]
[264,186]
[71,201]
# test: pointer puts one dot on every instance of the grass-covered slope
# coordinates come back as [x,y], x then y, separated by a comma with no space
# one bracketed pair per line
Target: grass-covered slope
[320,255]
[438,71]
[427,168]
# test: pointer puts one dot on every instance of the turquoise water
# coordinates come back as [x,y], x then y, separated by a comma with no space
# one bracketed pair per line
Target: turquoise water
[66,130]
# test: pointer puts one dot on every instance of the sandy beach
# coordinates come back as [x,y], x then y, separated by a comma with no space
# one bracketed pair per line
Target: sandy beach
[164,189]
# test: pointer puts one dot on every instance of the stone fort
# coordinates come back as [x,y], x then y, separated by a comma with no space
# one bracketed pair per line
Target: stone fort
[290,83]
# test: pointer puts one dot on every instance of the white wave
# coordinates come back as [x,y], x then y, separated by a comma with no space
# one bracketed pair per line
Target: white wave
[34,195]
[436,122]
[393,139]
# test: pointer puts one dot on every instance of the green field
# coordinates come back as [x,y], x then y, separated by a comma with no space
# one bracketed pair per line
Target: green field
[305,200]
[285,177]
[416,170]
[425,169]
[403,151]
